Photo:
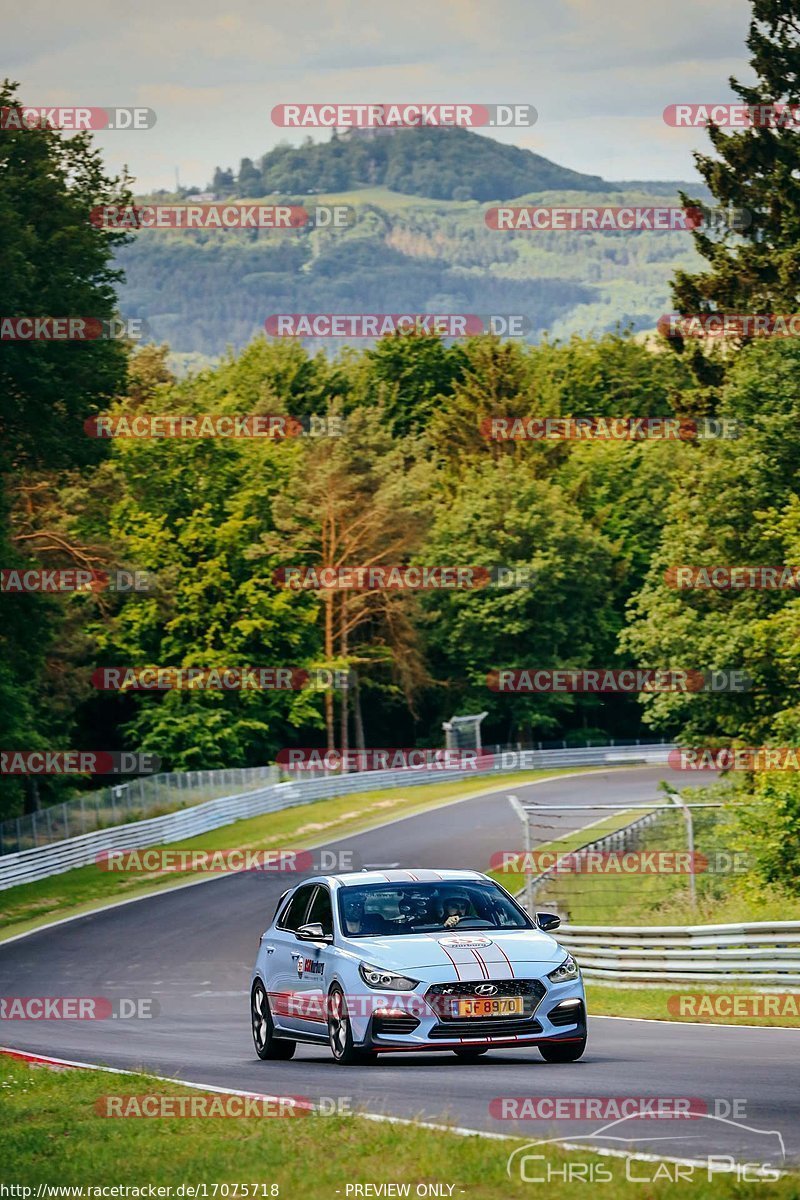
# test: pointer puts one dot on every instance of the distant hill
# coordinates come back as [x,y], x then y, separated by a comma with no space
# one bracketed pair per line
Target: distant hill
[442,164]
[419,244]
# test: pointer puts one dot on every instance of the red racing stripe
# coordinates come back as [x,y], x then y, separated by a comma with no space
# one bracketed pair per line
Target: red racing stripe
[452,960]
[483,967]
[508,960]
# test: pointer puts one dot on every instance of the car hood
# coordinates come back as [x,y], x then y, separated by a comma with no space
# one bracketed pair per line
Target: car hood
[468,955]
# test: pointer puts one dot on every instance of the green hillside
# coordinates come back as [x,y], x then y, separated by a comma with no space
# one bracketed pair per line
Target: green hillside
[419,244]
[442,164]
[204,290]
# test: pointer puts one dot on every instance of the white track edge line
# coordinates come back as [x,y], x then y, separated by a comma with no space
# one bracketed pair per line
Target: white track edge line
[704,1024]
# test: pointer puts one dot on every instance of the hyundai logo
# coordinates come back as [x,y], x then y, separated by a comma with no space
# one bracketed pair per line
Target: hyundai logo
[485,989]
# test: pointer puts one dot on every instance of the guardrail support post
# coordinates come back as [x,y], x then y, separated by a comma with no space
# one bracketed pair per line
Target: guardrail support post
[523,816]
[687,816]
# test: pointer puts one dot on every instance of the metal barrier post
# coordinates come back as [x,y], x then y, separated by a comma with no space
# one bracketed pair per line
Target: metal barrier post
[523,816]
[687,816]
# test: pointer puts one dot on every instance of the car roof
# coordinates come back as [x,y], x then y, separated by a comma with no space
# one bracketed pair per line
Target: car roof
[403,875]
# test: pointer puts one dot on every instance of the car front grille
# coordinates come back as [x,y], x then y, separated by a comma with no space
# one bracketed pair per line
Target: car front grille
[440,996]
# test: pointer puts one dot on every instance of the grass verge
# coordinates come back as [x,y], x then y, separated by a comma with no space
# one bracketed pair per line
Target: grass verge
[51,1134]
[693,1003]
[85,888]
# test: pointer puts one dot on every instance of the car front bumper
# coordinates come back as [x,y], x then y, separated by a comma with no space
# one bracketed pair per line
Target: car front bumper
[558,1013]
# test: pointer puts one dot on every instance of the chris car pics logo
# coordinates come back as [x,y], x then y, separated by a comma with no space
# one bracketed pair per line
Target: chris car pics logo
[637,1162]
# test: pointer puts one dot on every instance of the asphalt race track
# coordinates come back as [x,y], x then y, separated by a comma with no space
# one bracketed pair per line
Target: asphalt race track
[192,950]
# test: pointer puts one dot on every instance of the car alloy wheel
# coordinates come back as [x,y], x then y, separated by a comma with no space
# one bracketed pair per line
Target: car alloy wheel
[340,1031]
[266,1044]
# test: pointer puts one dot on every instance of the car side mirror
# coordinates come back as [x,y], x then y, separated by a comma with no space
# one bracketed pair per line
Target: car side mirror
[547,921]
[313,933]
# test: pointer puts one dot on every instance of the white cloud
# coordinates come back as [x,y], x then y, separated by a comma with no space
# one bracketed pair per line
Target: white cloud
[600,72]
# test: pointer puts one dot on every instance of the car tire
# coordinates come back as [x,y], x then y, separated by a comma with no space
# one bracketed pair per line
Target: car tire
[561,1052]
[267,1045]
[468,1053]
[340,1031]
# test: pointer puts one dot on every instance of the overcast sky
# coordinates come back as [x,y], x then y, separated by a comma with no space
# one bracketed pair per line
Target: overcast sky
[599,72]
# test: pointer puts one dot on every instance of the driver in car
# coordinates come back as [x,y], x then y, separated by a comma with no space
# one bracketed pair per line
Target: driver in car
[455,906]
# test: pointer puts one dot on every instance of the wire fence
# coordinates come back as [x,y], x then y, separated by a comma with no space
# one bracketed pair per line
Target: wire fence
[617,865]
[121,804]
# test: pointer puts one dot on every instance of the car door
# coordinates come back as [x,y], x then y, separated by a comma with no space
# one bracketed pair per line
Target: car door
[283,951]
[311,965]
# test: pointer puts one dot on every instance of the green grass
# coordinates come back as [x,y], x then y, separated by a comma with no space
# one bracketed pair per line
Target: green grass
[380,197]
[639,900]
[391,201]
[50,1133]
[80,890]
[603,1000]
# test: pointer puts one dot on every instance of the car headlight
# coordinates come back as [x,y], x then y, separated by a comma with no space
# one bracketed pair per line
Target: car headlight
[568,970]
[387,981]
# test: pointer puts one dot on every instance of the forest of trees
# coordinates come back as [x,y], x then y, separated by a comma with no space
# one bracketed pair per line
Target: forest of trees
[410,480]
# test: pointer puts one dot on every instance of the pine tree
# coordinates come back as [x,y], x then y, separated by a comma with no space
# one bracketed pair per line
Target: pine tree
[754,268]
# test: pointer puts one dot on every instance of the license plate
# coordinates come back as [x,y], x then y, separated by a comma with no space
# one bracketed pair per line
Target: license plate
[497,1006]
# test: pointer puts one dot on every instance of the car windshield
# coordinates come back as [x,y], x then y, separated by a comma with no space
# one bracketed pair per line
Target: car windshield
[394,909]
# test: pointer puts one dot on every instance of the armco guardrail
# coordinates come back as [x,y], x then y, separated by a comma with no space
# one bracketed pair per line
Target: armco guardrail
[761,952]
[123,803]
[27,866]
